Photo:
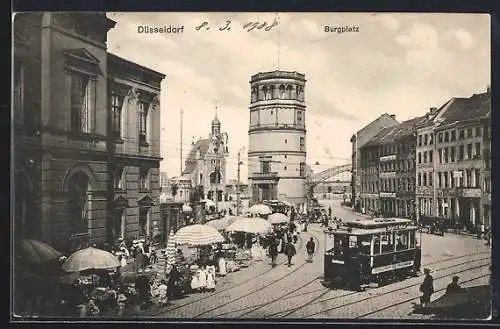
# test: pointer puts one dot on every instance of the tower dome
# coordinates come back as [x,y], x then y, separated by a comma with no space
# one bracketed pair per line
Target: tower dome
[215,126]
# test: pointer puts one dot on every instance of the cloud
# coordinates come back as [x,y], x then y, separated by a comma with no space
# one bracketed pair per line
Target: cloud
[464,38]
[419,36]
[389,21]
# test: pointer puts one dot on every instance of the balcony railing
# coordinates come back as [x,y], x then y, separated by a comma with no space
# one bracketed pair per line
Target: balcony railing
[277,126]
[388,158]
[264,175]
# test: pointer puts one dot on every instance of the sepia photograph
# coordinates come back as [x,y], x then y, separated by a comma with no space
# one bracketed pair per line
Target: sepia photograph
[259,166]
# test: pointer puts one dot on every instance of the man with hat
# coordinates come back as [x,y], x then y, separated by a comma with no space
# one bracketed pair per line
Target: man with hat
[426,288]
[454,287]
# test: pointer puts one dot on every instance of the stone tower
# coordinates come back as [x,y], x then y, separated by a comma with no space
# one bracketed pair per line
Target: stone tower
[277,137]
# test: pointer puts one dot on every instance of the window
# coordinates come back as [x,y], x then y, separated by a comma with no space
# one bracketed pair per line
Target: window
[286,141]
[445,176]
[282,92]
[284,168]
[452,154]
[271,112]
[387,242]
[468,174]
[431,139]
[452,179]
[82,102]
[440,154]
[426,139]
[425,157]
[478,149]
[419,182]
[144,179]
[285,156]
[143,119]
[119,178]
[445,155]
[143,221]
[446,137]
[477,178]
[460,152]
[402,240]
[440,138]
[430,179]
[424,180]
[299,117]
[18,98]
[440,177]
[265,167]
[302,144]
[461,134]
[431,155]
[469,133]
[478,131]
[453,135]
[469,151]
[302,169]
[79,203]
[420,140]
[116,113]
[419,157]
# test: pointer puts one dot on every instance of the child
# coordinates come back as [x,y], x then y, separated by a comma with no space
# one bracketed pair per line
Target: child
[121,300]
[202,279]
[162,293]
[211,278]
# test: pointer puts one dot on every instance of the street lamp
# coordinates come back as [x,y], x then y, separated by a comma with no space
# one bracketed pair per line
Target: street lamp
[238,182]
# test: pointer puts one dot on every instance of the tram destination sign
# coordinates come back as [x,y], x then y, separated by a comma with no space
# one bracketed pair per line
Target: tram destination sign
[392,267]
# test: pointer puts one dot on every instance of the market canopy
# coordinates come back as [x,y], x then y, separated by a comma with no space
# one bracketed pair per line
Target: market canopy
[222,223]
[278,218]
[260,209]
[198,235]
[35,252]
[90,259]
[250,225]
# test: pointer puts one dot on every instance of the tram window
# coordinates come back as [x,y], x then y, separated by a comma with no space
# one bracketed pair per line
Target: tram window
[353,241]
[401,240]
[387,242]
[412,239]
[364,243]
[376,244]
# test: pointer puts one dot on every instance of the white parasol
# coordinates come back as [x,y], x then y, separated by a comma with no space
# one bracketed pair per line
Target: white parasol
[198,235]
[90,259]
[278,218]
[250,225]
[260,209]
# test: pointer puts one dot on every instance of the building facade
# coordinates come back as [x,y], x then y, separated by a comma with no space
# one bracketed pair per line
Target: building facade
[358,140]
[453,161]
[388,171]
[86,133]
[206,163]
[277,137]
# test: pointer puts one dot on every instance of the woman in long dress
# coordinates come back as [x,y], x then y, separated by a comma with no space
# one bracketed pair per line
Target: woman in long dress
[222,266]
[202,279]
[195,281]
[211,278]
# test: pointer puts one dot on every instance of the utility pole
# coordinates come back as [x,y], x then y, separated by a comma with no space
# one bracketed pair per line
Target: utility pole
[182,113]
[238,186]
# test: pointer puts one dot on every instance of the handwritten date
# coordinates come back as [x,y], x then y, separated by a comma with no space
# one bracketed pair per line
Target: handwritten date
[250,26]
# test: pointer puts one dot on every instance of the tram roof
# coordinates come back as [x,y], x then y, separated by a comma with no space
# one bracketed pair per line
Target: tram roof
[374,226]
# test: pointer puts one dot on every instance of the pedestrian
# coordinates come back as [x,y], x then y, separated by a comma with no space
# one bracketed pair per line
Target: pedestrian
[140,261]
[426,288]
[295,236]
[163,292]
[290,252]
[211,278]
[121,300]
[310,246]
[273,252]
[454,287]
[329,211]
[173,277]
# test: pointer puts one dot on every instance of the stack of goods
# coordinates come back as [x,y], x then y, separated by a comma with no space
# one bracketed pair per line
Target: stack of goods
[243,257]
[232,266]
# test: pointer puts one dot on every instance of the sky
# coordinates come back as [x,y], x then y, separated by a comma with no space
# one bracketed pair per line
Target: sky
[400,64]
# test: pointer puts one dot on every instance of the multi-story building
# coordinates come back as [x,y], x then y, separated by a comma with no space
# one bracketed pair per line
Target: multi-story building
[388,170]
[277,137]
[206,163]
[163,181]
[358,140]
[453,159]
[86,133]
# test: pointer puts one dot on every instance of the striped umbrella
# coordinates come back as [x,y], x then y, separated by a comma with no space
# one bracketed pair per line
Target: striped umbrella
[250,225]
[36,252]
[90,259]
[198,235]
[278,218]
[171,249]
[260,209]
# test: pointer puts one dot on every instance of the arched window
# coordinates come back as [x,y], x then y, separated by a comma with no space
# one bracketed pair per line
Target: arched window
[265,91]
[282,92]
[254,94]
[201,179]
[289,91]
[78,186]
[272,92]
[215,178]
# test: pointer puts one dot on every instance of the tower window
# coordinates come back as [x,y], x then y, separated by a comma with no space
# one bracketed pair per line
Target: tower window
[286,141]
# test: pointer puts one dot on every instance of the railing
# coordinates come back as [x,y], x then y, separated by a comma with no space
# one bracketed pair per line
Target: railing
[263,175]
[278,125]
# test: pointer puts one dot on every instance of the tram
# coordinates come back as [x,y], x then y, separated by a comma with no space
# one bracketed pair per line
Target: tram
[369,251]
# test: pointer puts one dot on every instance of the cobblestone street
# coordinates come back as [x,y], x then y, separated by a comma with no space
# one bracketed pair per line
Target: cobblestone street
[261,291]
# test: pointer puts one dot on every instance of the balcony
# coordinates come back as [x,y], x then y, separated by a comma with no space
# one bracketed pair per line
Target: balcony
[388,158]
[387,194]
[389,174]
[277,126]
[265,176]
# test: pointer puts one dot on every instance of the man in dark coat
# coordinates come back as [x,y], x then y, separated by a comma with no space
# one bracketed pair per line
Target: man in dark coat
[273,252]
[173,277]
[426,288]
[290,252]
[310,246]
[454,287]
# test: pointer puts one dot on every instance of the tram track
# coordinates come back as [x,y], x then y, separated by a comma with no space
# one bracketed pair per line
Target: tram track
[315,299]
[265,286]
[388,293]
[218,292]
[416,298]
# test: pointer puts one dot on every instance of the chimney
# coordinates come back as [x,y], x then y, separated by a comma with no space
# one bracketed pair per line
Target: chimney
[393,116]
[433,110]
